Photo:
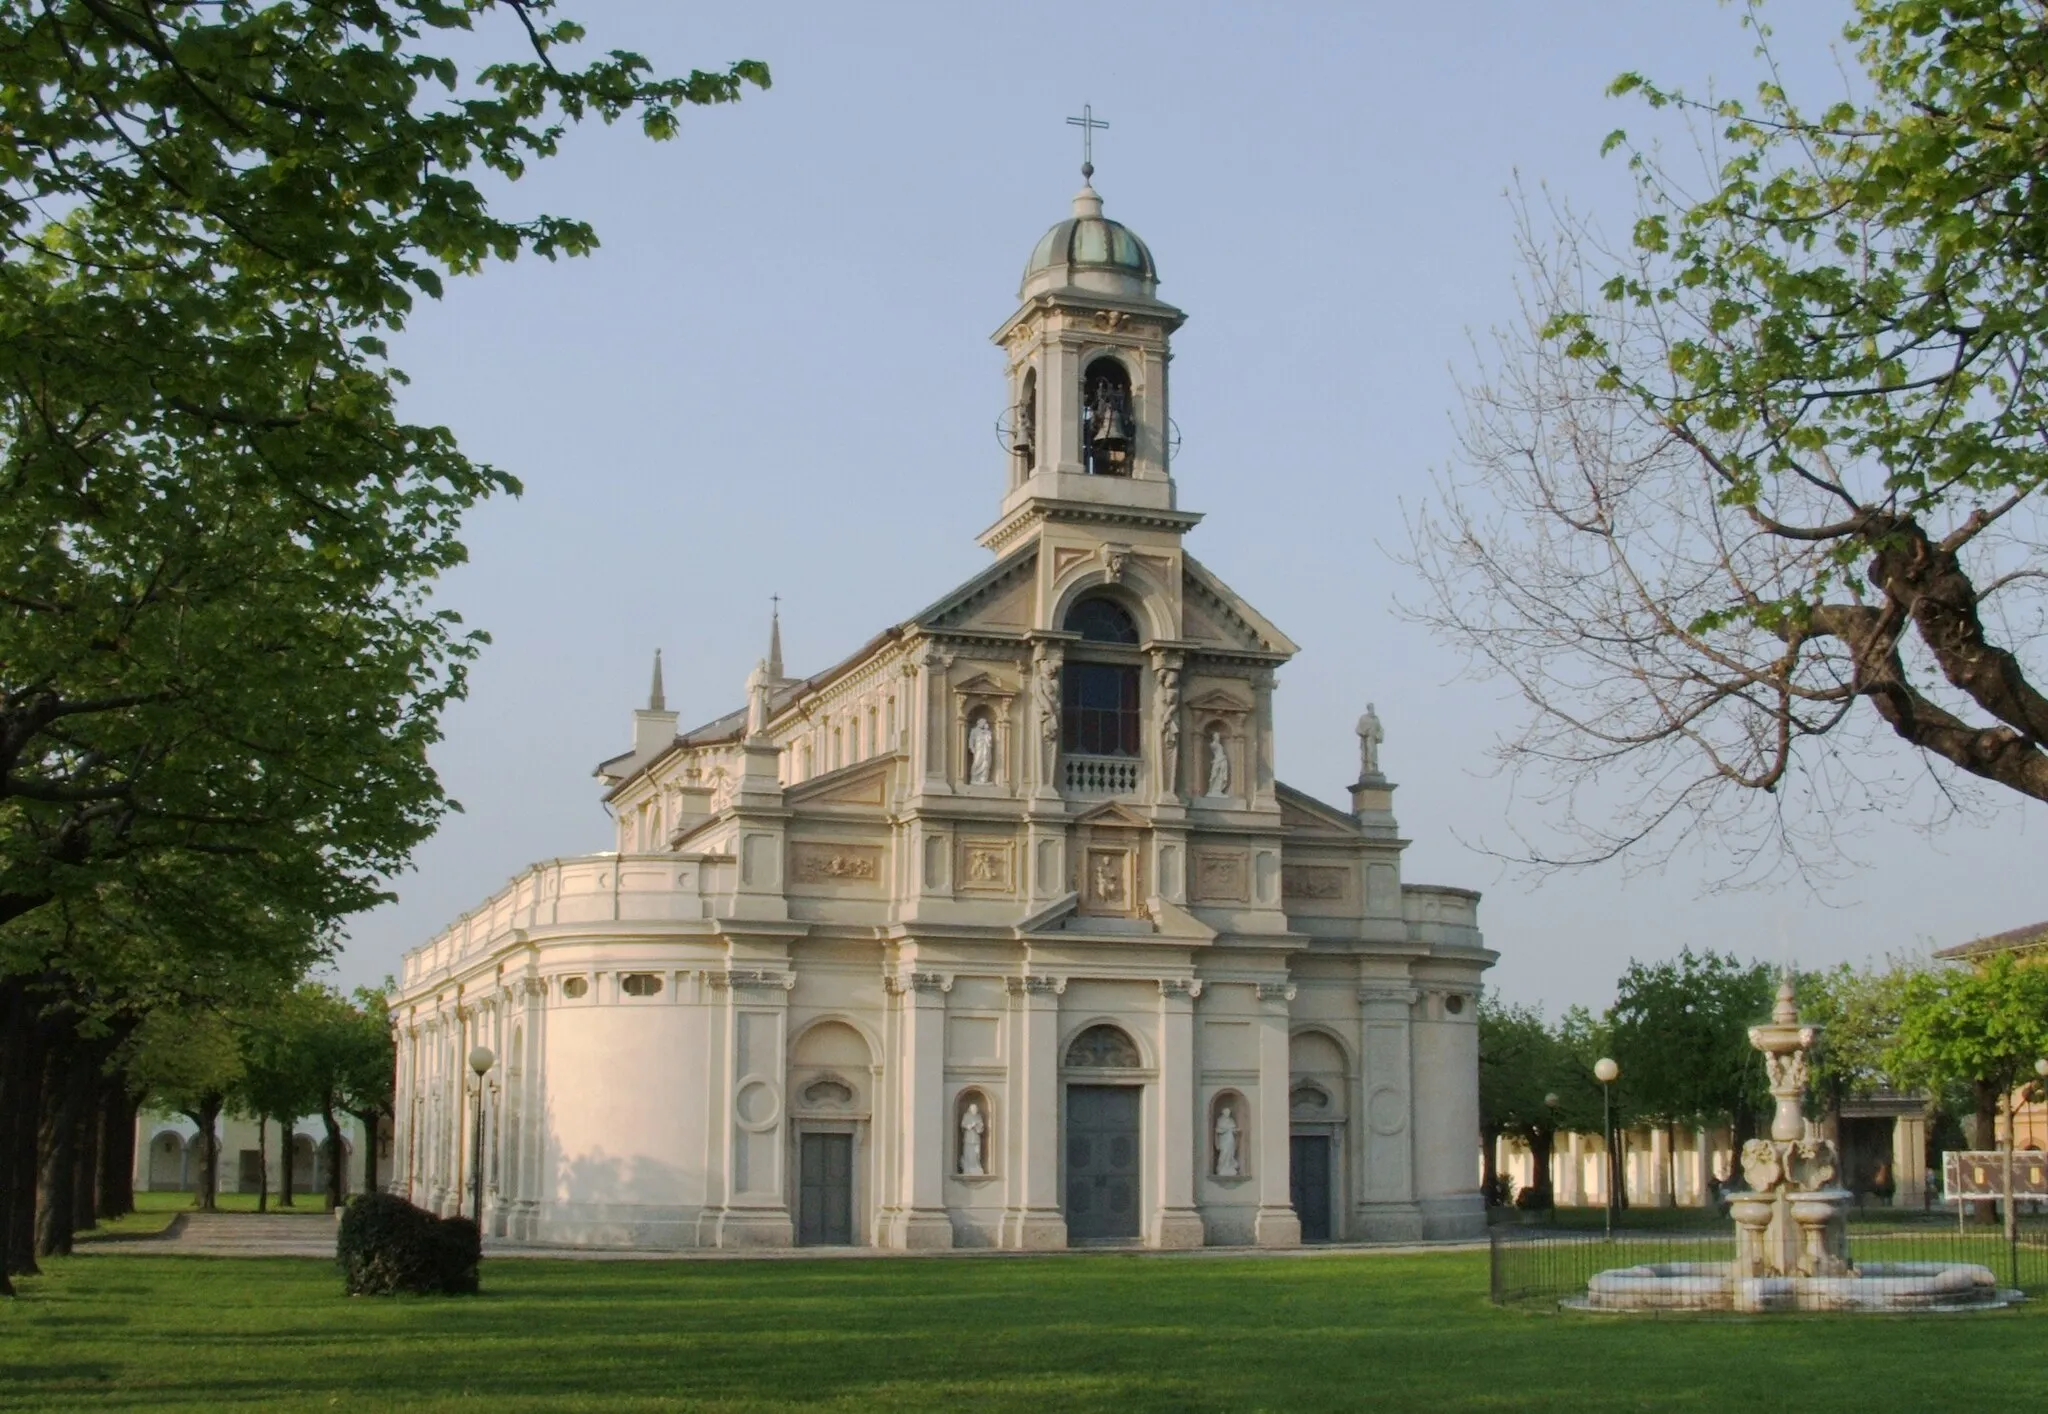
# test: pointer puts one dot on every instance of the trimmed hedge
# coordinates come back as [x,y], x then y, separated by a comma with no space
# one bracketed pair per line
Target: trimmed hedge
[387,1245]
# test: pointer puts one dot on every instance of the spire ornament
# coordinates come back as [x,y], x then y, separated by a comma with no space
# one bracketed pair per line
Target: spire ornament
[657,700]
[1089,125]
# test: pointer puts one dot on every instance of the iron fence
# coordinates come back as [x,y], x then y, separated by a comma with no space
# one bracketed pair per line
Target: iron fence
[1546,1267]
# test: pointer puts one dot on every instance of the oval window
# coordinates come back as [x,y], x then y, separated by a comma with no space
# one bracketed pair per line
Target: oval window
[574,987]
[640,984]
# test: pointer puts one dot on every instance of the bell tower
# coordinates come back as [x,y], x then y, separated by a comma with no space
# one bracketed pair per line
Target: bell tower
[1087,368]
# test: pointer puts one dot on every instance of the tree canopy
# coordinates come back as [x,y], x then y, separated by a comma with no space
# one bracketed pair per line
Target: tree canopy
[1760,487]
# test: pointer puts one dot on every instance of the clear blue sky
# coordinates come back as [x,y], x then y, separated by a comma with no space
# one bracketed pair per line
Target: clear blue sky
[775,377]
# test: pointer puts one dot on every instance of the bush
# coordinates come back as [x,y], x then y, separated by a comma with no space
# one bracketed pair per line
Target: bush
[387,1245]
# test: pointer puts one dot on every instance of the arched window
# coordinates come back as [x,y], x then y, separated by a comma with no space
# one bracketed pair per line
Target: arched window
[1099,701]
[1106,430]
[1100,620]
[1103,1047]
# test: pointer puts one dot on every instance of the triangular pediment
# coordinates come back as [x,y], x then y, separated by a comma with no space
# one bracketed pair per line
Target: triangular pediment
[1213,612]
[1299,811]
[999,598]
[1114,816]
[982,685]
[864,784]
[1217,700]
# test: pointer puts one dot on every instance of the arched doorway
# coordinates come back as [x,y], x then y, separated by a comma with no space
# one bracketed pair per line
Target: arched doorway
[830,1077]
[1104,1143]
[167,1162]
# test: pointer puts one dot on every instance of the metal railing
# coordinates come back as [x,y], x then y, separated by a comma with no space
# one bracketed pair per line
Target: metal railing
[1544,1267]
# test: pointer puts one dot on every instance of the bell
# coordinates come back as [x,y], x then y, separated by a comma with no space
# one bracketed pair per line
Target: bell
[1111,432]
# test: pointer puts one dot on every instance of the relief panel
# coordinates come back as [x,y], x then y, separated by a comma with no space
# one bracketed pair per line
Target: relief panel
[987,866]
[814,862]
[1221,876]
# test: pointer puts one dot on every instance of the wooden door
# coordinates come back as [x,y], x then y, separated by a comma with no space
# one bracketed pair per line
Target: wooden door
[1309,1185]
[825,1191]
[1102,1163]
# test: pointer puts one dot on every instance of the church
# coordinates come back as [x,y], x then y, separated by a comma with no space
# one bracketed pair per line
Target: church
[999,933]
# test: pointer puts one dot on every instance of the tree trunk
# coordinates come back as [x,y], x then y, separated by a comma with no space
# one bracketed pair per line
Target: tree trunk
[66,1083]
[286,1131]
[1489,1166]
[1984,1136]
[206,1117]
[85,1165]
[337,1160]
[262,1163]
[18,1104]
[1542,1145]
[372,1122]
[117,1147]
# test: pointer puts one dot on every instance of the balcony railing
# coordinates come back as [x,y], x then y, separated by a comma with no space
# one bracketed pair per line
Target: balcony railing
[1101,775]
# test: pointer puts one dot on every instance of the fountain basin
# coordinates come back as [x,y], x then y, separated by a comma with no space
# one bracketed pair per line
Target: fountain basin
[1875,1286]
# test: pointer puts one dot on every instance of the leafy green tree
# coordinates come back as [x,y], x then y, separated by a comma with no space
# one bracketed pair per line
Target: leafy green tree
[1859,1011]
[1982,1026]
[1681,1035]
[1531,1085]
[189,1062]
[280,1078]
[219,669]
[1761,489]
[366,1071]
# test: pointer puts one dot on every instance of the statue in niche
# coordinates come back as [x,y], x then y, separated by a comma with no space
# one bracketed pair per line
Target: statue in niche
[1109,879]
[1370,735]
[1219,763]
[1227,1165]
[1047,682]
[981,751]
[1025,442]
[972,1126]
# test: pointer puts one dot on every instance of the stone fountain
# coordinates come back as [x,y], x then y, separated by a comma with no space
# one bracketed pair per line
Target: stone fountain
[1791,1225]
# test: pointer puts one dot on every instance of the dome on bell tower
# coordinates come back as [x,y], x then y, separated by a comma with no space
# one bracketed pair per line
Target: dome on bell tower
[1090,251]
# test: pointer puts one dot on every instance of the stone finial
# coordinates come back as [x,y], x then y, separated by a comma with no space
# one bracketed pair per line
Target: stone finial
[1786,1012]
[775,672]
[657,700]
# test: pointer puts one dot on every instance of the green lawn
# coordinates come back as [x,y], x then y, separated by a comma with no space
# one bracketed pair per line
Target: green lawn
[107,1332]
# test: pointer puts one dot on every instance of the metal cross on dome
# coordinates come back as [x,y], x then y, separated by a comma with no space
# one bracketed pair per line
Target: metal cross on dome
[1088,123]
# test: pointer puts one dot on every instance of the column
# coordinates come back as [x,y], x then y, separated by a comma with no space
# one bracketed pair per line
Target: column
[1909,1161]
[1276,1224]
[920,1220]
[1262,792]
[1387,1210]
[1180,1148]
[1034,1221]
[1659,1185]
[1703,1166]
[1571,1172]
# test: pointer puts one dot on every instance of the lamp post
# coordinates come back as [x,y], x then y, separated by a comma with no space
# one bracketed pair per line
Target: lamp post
[1607,1072]
[480,1060]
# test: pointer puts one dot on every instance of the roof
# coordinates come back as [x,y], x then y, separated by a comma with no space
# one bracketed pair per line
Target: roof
[2034,935]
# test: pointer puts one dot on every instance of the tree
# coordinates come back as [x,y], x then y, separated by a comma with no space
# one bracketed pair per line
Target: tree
[366,1071]
[1761,489]
[280,1078]
[1531,1084]
[1984,1027]
[220,671]
[190,1063]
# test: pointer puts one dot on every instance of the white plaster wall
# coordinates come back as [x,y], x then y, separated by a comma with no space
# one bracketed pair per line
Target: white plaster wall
[1446,1111]
[626,1123]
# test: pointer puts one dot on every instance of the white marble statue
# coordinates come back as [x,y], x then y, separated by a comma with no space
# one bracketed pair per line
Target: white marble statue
[1219,763]
[972,1126]
[981,752]
[1226,1143]
[1370,735]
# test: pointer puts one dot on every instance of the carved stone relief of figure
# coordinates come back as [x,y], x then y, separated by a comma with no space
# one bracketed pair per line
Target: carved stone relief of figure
[1109,878]
[1370,735]
[1219,763]
[972,1126]
[981,751]
[1227,1165]
[1169,728]
[1046,681]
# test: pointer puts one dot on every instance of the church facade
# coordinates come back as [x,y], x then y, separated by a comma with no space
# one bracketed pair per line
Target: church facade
[1000,932]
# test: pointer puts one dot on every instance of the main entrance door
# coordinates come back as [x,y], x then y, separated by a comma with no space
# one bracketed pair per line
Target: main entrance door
[824,1189]
[1102,1162]
[1309,1185]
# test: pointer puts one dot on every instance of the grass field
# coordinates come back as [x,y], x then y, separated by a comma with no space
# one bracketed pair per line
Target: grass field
[111,1332]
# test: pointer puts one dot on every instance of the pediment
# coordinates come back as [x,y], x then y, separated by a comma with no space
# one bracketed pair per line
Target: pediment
[864,784]
[1299,811]
[1001,597]
[1111,815]
[1213,612]
[1217,700]
[982,685]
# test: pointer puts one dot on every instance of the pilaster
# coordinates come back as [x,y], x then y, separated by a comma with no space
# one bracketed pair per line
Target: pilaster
[1033,1221]
[1276,1224]
[918,1219]
[1387,1210]
[755,1212]
[1178,1223]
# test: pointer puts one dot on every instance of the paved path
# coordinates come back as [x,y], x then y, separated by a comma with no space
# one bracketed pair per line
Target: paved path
[276,1235]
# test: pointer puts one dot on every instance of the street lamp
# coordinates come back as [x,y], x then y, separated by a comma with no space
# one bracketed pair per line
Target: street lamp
[480,1060]
[1607,1072]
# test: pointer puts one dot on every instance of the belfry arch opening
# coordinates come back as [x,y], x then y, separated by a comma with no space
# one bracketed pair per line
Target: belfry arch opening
[1107,431]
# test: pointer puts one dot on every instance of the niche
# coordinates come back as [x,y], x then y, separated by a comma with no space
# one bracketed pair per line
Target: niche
[974,1135]
[1229,1137]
